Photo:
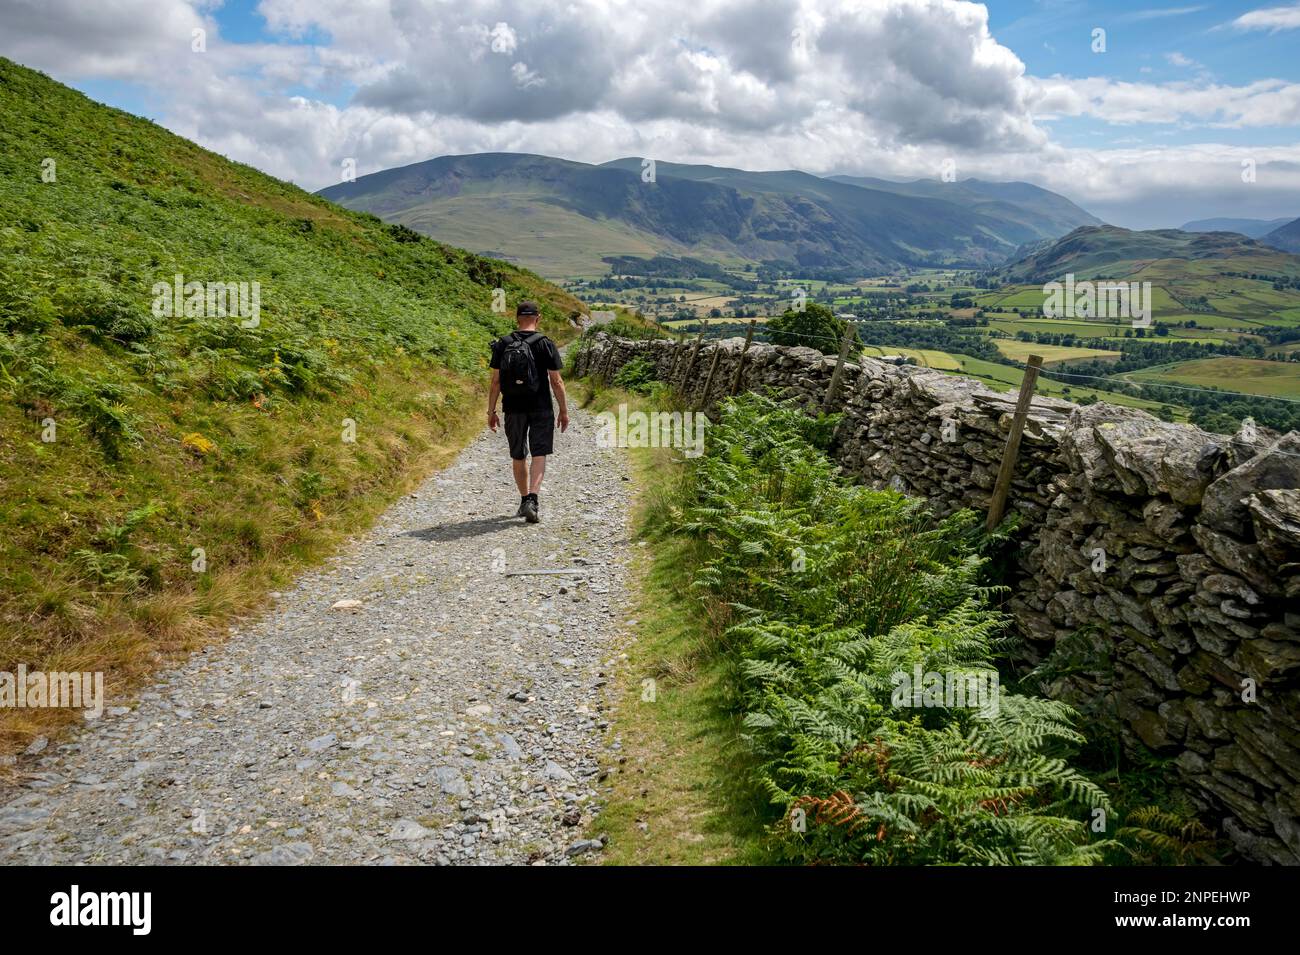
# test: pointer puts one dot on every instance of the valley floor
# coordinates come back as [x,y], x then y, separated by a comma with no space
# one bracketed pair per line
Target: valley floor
[454,718]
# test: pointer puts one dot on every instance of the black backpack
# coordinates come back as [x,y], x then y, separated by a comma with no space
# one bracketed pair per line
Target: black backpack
[518,366]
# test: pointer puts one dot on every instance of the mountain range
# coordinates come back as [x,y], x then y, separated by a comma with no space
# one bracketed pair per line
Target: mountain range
[562,218]
[1251,228]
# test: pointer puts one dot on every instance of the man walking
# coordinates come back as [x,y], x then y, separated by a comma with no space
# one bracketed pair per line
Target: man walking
[525,370]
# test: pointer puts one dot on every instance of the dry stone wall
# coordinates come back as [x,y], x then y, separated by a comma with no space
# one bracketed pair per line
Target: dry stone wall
[1157,583]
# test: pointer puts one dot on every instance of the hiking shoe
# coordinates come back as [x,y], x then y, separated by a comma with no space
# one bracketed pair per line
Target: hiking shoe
[523,504]
[529,509]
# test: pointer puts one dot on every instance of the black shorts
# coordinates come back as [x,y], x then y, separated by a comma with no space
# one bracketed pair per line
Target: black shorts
[530,432]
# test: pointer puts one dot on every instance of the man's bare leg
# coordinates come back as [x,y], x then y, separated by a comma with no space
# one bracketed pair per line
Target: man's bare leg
[535,475]
[520,469]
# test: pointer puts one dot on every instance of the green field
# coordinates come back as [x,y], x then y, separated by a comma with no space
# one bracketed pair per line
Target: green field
[925,357]
[1273,378]
[1051,354]
[685,322]
[1057,326]
[1188,339]
[1237,302]
[1033,296]
[1007,378]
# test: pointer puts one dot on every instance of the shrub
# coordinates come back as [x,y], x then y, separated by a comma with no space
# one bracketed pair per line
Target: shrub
[99,308]
[815,327]
[403,233]
[21,309]
[637,375]
[624,327]
[103,409]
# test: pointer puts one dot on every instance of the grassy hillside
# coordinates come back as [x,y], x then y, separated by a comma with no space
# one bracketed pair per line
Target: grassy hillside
[1111,252]
[1217,286]
[159,474]
[548,238]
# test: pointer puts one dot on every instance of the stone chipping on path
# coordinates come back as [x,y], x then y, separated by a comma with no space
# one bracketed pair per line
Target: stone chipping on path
[455,717]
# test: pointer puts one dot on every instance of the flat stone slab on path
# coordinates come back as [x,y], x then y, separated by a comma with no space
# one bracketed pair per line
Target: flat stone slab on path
[452,717]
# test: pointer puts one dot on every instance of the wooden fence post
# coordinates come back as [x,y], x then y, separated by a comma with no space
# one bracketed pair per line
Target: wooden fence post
[1001,489]
[690,361]
[708,382]
[833,388]
[740,365]
[678,341]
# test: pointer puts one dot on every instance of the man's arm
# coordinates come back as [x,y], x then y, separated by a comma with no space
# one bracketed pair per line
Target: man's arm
[494,391]
[557,386]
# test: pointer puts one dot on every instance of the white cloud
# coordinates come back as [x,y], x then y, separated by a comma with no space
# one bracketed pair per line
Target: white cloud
[1272,19]
[1262,103]
[1157,13]
[890,88]
[115,39]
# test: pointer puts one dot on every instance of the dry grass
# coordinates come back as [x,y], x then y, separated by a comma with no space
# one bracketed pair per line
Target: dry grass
[672,799]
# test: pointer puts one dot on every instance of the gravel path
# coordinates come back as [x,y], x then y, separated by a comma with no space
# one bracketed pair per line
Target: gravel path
[454,718]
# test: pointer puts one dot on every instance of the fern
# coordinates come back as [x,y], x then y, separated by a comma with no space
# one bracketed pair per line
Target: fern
[1155,836]
[836,589]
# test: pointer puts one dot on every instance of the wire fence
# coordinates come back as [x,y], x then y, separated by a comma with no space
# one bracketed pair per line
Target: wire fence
[1053,372]
[1211,391]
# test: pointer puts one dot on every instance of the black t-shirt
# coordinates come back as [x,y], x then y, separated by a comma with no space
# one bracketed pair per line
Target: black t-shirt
[548,359]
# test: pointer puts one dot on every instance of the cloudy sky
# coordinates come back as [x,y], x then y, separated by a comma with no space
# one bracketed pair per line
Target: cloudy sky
[1148,112]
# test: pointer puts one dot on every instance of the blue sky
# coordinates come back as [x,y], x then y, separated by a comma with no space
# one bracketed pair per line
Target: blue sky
[1170,42]
[1153,131]
[1055,36]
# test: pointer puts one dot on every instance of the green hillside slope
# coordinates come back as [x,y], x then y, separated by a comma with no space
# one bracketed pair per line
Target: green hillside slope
[1006,209]
[159,470]
[1286,237]
[1208,280]
[1046,213]
[1112,252]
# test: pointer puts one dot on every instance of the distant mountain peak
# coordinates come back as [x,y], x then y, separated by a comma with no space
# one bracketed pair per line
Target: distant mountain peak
[1251,228]
[1286,237]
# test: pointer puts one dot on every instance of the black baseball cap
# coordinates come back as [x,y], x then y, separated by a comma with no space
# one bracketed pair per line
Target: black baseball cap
[528,308]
